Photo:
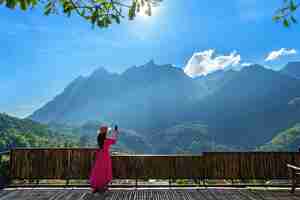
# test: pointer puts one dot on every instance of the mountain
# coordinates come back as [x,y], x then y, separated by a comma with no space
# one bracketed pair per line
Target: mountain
[215,80]
[292,69]
[250,108]
[161,106]
[287,140]
[144,97]
[78,97]
[16,132]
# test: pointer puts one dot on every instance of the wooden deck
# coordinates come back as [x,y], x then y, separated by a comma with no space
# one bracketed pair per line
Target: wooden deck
[151,194]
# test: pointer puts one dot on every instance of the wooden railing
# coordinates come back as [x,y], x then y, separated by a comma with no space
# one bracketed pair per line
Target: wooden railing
[76,164]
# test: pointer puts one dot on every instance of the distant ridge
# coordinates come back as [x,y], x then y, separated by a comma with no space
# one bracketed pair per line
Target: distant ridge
[251,107]
[140,92]
[292,69]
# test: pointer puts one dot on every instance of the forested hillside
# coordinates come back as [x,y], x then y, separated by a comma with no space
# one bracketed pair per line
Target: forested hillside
[287,140]
[16,132]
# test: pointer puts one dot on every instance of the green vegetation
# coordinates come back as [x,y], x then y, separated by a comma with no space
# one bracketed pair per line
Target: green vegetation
[16,132]
[287,140]
[286,14]
[101,13]
[183,138]
[189,137]
[4,166]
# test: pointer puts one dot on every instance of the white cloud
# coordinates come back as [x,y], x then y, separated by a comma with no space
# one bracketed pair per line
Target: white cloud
[246,64]
[281,52]
[202,63]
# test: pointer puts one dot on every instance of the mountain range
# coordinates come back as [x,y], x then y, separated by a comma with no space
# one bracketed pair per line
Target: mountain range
[171,111]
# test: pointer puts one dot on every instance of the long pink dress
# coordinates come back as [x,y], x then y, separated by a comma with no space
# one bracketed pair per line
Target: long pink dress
[101,173]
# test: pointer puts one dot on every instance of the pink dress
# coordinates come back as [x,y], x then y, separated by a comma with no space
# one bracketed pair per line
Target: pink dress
[101,173]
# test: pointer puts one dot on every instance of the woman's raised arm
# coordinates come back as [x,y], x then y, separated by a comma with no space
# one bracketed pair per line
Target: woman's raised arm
[114,137]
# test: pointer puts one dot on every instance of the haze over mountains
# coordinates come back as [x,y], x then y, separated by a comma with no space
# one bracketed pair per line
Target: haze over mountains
[174,112]
[142,97]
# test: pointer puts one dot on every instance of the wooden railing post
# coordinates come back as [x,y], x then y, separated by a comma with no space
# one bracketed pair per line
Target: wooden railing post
[170,161]
[294,176]
[136,183]
[293,181]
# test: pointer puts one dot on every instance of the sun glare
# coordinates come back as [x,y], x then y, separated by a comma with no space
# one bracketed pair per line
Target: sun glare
[143,12]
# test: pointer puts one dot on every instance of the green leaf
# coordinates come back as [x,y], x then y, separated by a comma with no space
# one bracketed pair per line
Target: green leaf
[67,8]
[82,13]
[100,1]
[293,19]
[276,18]
[108,6]
[94,17]
[33,2]
[68,13]
[293,6]
[138,7]
[286,23]
[132,10]
[116,18]
[23,4]
[107,21]
[100,23]
[48,8]
[11,4]
[149,10]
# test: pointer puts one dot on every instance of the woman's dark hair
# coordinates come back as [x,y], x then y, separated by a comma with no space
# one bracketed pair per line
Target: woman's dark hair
[101,138]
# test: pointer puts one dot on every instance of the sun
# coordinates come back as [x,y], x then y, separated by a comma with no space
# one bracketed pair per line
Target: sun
[143,12]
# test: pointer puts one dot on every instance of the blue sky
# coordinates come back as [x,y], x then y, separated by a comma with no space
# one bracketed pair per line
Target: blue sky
[40,55]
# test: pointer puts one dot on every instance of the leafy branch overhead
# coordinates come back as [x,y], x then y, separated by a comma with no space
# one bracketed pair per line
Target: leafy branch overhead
[286,14]
[101,13]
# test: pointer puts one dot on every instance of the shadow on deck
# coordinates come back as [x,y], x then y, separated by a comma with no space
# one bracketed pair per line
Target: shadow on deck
[153,194]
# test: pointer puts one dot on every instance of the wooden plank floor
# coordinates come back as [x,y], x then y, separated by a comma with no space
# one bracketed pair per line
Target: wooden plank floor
[151,194]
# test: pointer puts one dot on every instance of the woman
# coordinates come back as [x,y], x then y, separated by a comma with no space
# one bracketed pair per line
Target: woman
[101,173]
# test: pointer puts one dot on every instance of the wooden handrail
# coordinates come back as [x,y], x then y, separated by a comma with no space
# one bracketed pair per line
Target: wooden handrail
[293,167]
[76,163]
[94,149]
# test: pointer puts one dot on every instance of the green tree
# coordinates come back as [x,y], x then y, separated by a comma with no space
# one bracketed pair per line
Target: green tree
[101,13]
[286,14]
